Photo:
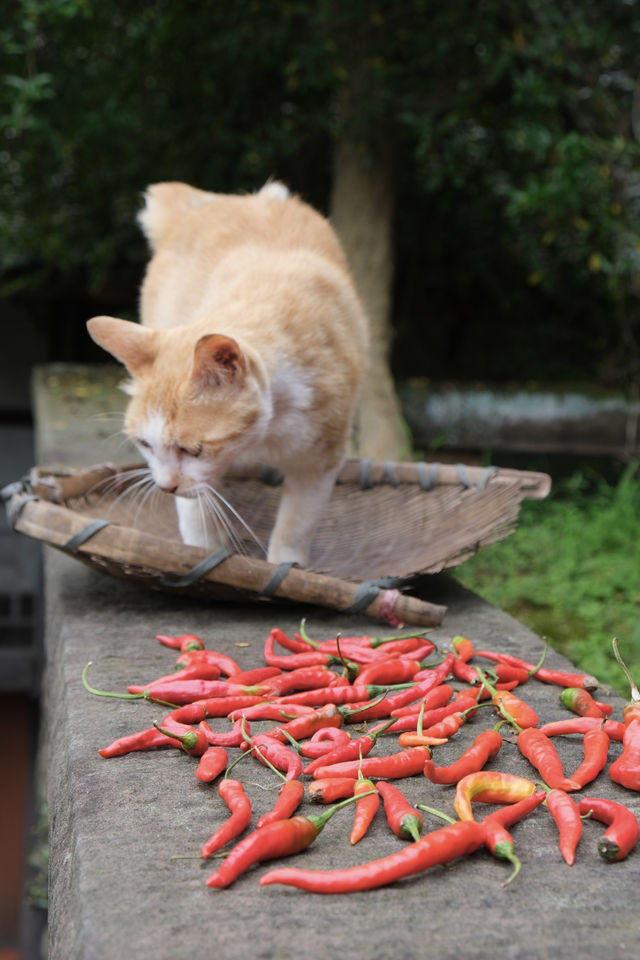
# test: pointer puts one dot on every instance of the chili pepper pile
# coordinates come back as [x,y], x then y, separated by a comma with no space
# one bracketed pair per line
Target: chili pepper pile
[312,694]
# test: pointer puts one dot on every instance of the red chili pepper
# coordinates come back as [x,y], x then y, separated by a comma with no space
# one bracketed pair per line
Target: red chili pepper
[282,758]
[489,786]
[404,820]
[351,750]
[186,691]
[233,794]
[290,796]
[323,742]
[559,677]
[512,708]
[227,665]
[540,751]
[249,677]
[622,832]
[232,738]
[282,838]
[212,762]
[580,701]
[269,710]
[625,769]
[485,747]
[142,740]
[437,732]
[389,670]
[412,693]
[185,643]
[334,694]
[366,807]
[293,661]
[404,764]
[555,728]
[498,839]
[438,847]
[300,728]
[437,697]
[330,789]
[197,671]
[510,673]
[463,648]
[596,750]
[192,742]
[566,814]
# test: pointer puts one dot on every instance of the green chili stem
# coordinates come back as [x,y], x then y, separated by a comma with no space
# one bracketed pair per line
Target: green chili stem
[122,696]
[188,740]
[305,636]
[319,820]
[635,693]
[533,672]
[436,813]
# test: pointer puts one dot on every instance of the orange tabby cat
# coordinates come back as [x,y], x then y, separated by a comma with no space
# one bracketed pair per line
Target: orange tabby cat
[251,350]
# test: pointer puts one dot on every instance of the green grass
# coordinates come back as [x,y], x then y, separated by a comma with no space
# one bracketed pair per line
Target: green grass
[571,572]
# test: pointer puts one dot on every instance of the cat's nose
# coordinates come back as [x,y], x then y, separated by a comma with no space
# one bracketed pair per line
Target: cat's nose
[168,489]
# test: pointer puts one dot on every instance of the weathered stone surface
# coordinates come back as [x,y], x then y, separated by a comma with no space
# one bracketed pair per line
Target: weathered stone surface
[115,892]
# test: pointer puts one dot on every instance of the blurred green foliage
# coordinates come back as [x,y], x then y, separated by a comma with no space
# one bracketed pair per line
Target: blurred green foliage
[510,121]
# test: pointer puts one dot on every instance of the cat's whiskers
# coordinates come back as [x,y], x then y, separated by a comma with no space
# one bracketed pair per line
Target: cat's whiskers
[228,518]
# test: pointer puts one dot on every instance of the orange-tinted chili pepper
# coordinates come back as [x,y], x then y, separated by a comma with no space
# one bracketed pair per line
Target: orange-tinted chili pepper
[555,728]
[437,732]
[596,750]
[512,708]
[404,820]
[408,721]
[485,747]
[566,814]
[438,847]
[233,794]
[330,789]
[185,642]
[489,786]
[404,764]
[366,807]
[580,701]
[290,796]
[281,838]
[540,751]
[350,750]
[212,762]
[622,832]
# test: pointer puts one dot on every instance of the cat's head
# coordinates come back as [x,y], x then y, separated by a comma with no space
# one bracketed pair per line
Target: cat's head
[195,402]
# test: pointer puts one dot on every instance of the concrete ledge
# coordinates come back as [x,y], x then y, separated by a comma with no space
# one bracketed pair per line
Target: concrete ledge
[114,824]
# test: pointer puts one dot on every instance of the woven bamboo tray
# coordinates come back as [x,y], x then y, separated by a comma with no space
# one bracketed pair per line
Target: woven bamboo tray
[386,524]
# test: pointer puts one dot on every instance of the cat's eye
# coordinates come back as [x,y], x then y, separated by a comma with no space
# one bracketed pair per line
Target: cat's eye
[142,443]
[194,452]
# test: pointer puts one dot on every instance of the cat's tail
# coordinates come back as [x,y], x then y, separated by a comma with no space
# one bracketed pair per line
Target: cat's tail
[163,202]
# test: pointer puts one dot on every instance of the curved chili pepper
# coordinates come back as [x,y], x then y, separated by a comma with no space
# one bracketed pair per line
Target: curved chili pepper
[233,794]
[282,838]
[290,796]
[192,742]
[249,677]
[540,751]
[485,747]
[596,749]
[580,701]
[566,814]
[404,820]
[622,832]
[212,762]
[350,750]
[292,661]
[323,742]
[282,757]
[300,728]
[625,769]
[185,642]
[404,764]
[366,807]
[227,665]
[438,847]
[498,839]
[489,786]
[412,693]
[233,737]
[554,728]
[330,789]
[302,678]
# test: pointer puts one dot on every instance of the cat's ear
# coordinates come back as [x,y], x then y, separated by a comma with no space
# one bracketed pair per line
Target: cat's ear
[217,359]
[132,344]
